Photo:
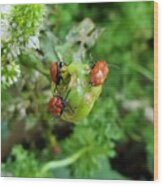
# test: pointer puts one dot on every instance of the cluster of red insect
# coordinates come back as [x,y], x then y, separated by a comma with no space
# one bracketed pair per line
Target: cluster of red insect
[97,76]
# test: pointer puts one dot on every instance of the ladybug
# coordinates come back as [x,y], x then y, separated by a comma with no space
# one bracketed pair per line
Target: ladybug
[56,105]
[55,72]
[98,73]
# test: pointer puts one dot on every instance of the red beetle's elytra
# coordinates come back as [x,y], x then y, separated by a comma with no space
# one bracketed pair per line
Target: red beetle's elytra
[56,105]
[98,73]
[55,72]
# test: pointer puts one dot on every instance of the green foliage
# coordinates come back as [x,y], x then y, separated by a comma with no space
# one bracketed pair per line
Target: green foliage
[22,163]
[121,34]
[149,139]
[73,47]
[106,172]
[97,134]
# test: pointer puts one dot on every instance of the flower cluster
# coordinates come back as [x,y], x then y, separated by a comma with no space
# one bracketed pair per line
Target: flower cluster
[11,73]
[20,25]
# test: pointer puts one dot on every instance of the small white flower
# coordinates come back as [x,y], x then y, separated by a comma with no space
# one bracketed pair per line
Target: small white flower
[33,42]
[5,9]
[14,53]
[9,67]
[15,50]
[14,25]
[4,30]
[3,79]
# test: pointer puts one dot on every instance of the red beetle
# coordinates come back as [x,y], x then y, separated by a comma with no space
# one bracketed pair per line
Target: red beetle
[55,72]
[98,73]
[56,105]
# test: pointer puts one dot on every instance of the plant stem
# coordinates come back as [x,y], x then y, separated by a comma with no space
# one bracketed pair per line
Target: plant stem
[64,162]
[33,62]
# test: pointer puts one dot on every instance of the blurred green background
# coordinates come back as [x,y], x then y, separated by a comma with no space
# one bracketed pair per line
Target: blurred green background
[118,133]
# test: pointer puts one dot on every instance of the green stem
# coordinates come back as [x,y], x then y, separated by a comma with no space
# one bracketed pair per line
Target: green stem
[34,62]
[64,162]
[42,71]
